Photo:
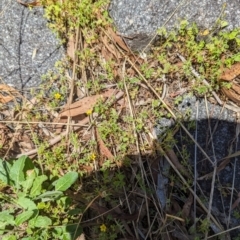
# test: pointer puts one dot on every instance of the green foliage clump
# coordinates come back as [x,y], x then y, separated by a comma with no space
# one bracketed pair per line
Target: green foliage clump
[33,205]
[66,16]
[208,51]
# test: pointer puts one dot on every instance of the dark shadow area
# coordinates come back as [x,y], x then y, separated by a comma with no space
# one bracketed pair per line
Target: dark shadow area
[218,139]
[142,203]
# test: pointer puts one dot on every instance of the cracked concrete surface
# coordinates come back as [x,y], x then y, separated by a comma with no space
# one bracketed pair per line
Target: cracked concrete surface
[28,47]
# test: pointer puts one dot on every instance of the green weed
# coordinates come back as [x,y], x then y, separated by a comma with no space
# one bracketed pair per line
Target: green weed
[37,205]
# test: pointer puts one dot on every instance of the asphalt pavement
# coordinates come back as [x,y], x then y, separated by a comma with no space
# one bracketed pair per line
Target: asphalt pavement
[28,48]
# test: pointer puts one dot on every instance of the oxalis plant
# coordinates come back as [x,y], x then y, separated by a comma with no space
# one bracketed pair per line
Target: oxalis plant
[33,205]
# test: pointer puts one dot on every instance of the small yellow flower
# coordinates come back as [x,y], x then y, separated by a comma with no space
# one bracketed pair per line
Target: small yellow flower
[57,95]
[103,228]
[89,112]
[92,156]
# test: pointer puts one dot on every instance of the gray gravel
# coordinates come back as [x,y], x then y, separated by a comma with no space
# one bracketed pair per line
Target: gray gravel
[22,32]
[138,20]
[196,109]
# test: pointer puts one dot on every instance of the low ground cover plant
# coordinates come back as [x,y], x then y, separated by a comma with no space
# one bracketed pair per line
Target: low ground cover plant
[82,161]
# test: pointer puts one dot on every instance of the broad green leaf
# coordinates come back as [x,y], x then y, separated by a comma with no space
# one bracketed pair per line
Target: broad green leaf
[21,194]
[23,217]
[16,171]
[4,171]
[9,237]
[2,226]
[28,164]
[65,182]
[43,221]
[49,195]
[6,218]
[31,222]
[26,203]
[37,185]
[30,177]
[63,232]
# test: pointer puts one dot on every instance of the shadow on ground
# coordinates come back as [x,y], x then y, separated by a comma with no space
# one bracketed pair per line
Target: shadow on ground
[157,191]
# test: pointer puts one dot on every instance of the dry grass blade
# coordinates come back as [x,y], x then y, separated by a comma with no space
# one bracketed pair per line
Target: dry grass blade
[117,39]
[230,73]
[173,157]
[112,50]
[104,151]
[235,141]
[136,136]
[71,47]
[190,189]
[233,93]
[167,108]
[237,201]
[9,93]
[83,105]
[221,166]
[214,163]
[72,80]
[30,4]
[65,133]
[223,233]
[236,154]
[187,207]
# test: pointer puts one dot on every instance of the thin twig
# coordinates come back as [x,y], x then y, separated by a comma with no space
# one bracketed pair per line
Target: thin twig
[168,108]
[183,127]
[224,232]
[64,134]
[189,188]
[135,133]
[38,122]
[214,172]
[234,169]
[195,170]
[70,98]
[187,132]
